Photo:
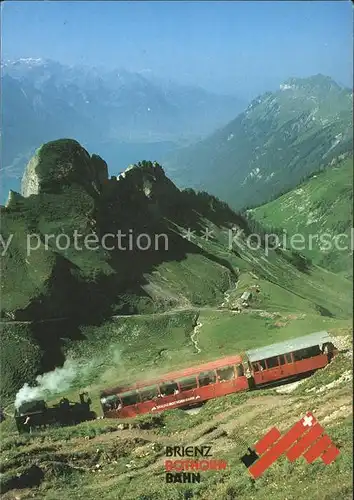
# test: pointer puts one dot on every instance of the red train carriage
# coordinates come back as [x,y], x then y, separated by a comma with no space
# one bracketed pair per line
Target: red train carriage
[291,358]
[176,389]
[194,385]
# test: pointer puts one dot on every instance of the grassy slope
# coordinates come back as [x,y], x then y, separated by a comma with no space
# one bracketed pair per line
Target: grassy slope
[321,205]
[135,347]
[90,460]
[20,355]
[143,346]
[125,347]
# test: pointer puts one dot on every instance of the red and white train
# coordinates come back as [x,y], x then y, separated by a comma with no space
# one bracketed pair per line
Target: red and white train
[256,368]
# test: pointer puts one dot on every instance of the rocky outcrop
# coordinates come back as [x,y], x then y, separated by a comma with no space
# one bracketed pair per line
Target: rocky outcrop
[148,179]
[30,179]
[61,163]
[142,191]
[101,170]
[12,198]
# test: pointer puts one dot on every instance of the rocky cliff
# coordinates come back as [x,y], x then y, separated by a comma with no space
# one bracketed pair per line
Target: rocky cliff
[72,252]
[60,163]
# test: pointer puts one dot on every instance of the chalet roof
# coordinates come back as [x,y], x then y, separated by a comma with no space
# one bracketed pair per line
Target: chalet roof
[290,345]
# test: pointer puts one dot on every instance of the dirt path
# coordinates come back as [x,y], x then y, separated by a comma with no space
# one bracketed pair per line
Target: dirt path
[226,299]
[194,334]
[199,325]
[227,295]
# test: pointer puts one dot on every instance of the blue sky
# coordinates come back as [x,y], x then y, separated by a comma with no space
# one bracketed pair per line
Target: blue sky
[238,47]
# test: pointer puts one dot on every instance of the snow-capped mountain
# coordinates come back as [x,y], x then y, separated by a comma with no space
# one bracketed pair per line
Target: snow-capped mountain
[43,100]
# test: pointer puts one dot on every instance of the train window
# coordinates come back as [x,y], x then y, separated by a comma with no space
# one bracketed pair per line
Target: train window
[301,354]
[110,402]
[282,359]
[298,355]
[240,370]
[188,383]
[309,352]
[148,393]
[207,378]
[288,357]
[225,374]
[255,367]
[272,362]
[262,364]
[168,388]
[313,351]
[129,398]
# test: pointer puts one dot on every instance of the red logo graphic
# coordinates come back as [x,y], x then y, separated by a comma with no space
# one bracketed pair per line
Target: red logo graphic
[305,438]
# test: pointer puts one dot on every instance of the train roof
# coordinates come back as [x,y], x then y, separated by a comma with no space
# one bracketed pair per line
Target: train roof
[212,365]
[290,345]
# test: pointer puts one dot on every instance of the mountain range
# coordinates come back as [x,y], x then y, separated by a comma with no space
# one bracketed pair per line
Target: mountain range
[266,150]
[124,115]
[269,148]
[55,283]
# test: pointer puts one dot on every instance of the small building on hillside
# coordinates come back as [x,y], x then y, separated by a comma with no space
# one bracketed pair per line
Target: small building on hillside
[245,297]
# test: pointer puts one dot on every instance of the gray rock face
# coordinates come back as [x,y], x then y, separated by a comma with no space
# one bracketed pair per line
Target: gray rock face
[30,180]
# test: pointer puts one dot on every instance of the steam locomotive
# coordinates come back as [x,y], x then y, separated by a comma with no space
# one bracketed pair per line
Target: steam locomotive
[37,414]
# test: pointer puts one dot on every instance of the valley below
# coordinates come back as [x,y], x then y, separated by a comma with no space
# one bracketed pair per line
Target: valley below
[108,318]
[196,277]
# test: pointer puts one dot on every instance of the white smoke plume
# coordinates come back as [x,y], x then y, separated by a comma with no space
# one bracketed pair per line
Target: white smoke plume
[81,372]
[56,381]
